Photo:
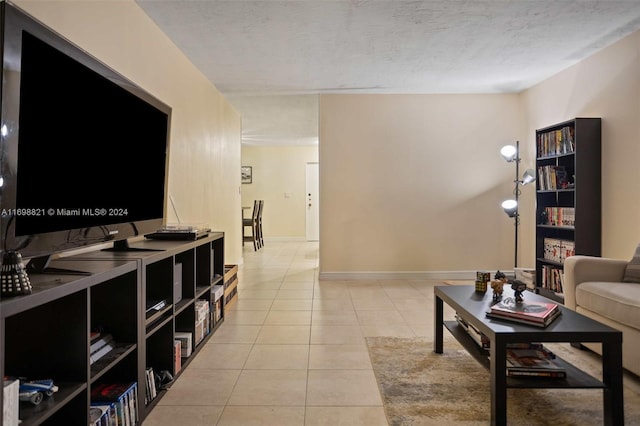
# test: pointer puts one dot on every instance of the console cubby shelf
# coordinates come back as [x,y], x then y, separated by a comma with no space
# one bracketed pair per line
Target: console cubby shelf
[568,198]
[46,334]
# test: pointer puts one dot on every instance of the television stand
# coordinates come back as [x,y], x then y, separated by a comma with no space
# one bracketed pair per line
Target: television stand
[124,246]
[40,265]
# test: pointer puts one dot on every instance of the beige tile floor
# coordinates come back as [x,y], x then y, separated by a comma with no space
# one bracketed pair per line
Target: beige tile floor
[292,350]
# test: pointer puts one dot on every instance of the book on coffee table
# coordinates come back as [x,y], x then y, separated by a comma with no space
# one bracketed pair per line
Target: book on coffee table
[533,362]
[539,314]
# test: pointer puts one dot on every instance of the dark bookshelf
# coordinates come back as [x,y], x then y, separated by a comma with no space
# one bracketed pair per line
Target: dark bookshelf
[568,198]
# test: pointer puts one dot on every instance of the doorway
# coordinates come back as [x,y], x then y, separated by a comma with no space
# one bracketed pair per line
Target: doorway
[312,206]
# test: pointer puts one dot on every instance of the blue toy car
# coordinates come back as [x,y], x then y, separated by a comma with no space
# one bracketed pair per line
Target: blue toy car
[33,391]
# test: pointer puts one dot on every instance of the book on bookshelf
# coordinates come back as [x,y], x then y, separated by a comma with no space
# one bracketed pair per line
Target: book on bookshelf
[123,396]
[150,385]
[553,177]
[533,362]
[100,341]
[560,216]
[556,142]
[526,275]
[552,278]
[186,338]
[100,346]
[177,356]
[10,401]
[102,414]
[557,250]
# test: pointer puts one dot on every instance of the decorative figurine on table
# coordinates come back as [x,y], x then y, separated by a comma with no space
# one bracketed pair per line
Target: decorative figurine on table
[497,285]
[518,288]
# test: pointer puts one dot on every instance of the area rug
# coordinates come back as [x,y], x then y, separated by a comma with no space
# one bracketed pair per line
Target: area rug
[420,387]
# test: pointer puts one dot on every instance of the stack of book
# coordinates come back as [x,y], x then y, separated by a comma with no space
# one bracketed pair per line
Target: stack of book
[151,386]
[478,337]
[101,344]
[527,276]
[539,314]
[533,360]
[118,398]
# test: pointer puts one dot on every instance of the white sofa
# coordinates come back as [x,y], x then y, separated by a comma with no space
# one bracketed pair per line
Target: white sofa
[594,287]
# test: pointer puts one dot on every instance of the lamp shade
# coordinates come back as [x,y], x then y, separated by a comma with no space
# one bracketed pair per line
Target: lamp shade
[510,207]
[529,176]
[509,152]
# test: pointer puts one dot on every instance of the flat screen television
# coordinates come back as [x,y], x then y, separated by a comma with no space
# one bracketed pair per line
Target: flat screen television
[83,155]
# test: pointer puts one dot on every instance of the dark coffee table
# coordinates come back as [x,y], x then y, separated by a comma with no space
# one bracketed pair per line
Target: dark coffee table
[570,327]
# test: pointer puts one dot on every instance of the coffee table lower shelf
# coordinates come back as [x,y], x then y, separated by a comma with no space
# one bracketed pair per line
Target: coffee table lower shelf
[576,378]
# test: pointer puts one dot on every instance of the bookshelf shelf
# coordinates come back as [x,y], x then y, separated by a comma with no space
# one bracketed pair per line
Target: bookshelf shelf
[568,192]
[36,414]
[47,334]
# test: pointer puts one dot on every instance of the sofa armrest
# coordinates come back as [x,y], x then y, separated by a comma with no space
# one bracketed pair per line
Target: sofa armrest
[579,269]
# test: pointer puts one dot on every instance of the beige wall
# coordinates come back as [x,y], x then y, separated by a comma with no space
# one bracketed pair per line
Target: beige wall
[412,184]
[279,179]
[394,200]
[204,177]
[605,85]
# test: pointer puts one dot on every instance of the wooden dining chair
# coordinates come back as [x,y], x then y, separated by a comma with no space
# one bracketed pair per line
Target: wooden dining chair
[252,222]
[260,237]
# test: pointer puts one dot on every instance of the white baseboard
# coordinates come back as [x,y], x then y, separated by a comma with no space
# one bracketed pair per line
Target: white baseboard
[404,275]
[285,239]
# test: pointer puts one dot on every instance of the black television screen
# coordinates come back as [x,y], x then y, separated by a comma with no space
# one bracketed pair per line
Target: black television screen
[84,150]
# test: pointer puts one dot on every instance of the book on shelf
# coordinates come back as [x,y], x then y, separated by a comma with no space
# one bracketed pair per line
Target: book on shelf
[10,401]
[177,356]
[103,414]
[560,216]
[150,386]
[552,278]
[155,306]
[527,276]
[101,353]
[553,178]
[100,341]
[556,142]
[101,346]
[186,339]
[123,396]
[533,362]
[557,250]
[524,320]
[540,314]
[478,337]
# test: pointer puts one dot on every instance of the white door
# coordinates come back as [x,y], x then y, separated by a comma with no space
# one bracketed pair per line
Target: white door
[313,212]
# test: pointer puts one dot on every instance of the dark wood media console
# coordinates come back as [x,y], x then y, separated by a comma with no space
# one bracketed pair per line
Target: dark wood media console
[47,334]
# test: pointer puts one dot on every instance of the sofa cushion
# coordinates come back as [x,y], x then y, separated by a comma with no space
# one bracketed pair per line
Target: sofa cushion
[617,301]
[632,271]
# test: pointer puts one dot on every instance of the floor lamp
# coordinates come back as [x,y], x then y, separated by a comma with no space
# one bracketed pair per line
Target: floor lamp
[511,154]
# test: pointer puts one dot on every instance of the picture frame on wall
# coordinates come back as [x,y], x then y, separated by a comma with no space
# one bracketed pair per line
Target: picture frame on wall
[246,174]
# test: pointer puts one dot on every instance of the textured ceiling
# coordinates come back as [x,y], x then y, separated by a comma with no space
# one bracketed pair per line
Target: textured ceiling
[266,55]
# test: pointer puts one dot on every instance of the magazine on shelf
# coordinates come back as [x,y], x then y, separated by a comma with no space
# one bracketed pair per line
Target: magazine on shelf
[478,337]
[533,362]
[527,310]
